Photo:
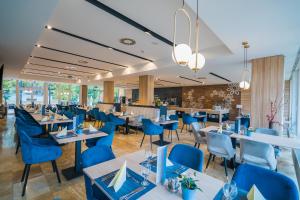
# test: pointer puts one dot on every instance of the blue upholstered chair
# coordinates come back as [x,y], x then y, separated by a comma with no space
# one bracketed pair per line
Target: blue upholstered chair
[202,120]
[35,152]
[109,129]
[117,121]
[80,111]
[172,127]
[272,185]
[188,156]
[31,129]
[101,117]
[150,129]
[273,132]
[220,145]
[93,156]
[258,153]
[200,137]
[187,120]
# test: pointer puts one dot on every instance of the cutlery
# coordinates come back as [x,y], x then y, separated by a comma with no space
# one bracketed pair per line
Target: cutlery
[132,193]
[134,179]
[107,177]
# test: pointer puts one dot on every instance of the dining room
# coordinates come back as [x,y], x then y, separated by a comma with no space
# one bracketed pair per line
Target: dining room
[186,99]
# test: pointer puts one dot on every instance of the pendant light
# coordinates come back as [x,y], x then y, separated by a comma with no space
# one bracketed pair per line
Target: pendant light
[182,52]
[197,60]
[245,82]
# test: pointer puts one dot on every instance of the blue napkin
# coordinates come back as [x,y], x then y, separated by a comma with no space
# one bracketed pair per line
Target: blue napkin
[133,181]
[69,135]
[172,171]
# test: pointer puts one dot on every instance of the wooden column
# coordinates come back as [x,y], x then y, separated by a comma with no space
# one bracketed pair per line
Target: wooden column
[267,85]
[108,92]
[83,94]
[146,90]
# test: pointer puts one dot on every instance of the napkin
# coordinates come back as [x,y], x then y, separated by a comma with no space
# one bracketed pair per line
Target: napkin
[220,130]
[92,129]
[57,116]
[65,117]
[44,119]
[62,133]
[169,163]
[254,194]
[119,178]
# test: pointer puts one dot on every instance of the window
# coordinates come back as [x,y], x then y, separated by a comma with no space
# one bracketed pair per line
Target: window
[62,93]
[9,91]
[31,91]
[295,102]
[95,95]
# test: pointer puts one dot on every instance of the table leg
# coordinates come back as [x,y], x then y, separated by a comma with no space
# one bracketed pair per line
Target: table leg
[127,126]
[161,141]
[220,118]
[76,170]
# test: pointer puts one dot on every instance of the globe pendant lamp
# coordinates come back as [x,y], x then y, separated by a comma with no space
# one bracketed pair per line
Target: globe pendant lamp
[181,52]
[197,60]
[245,82]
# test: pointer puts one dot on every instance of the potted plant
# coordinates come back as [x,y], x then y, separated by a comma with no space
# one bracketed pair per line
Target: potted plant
[188,186]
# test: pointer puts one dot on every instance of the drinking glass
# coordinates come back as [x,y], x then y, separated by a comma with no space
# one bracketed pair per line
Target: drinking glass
[145,171]
[230,190]
[148,155]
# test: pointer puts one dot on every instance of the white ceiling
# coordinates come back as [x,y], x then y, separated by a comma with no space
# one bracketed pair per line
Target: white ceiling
[272,28]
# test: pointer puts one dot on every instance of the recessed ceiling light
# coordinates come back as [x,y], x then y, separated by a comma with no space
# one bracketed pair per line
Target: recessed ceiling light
[38,45]
[28,63]
[109,48]
[82,61]
[127,41]
[58,72]
[48,27]
[148,32]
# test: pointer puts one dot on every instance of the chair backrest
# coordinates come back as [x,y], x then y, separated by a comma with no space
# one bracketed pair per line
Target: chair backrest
[267,131]
[272,185]
[102,116]
[173,117]
[93,156]
[219,144]
[186,118]
[258,150]
[196,132]
[188,156]
[148,127]
[163,110]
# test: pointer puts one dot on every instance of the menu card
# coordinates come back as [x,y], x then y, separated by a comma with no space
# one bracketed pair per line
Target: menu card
[161,164]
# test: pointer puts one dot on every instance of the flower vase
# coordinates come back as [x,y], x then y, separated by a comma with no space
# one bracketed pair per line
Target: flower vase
[271,125]
[188,194]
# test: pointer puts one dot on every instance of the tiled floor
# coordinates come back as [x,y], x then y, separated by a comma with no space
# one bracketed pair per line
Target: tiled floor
[43,184]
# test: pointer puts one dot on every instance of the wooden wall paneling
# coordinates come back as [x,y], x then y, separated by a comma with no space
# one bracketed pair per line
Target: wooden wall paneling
[108,91]
[246,101]
[267,84]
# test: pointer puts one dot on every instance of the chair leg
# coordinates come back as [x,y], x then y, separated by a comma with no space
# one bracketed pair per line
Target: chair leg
[182,127]
[142,140]
[151,141]
[171,134]
[56,170]
[214,158]
[53,167]
[18,145]
[177,134]
[24,172]
[209,158]
[195,144]
[225,167]
[198,145]
[26,178]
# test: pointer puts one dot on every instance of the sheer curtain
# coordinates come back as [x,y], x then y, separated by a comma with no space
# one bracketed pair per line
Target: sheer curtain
[295,102]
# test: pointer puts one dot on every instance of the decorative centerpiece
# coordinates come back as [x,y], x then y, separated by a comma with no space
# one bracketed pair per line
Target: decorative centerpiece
[79,129]
[274,109]
[188,186]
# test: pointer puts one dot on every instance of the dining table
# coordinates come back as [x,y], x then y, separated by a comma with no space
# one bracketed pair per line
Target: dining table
[209,185]
[77,138]
[161,141]
[280,141]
